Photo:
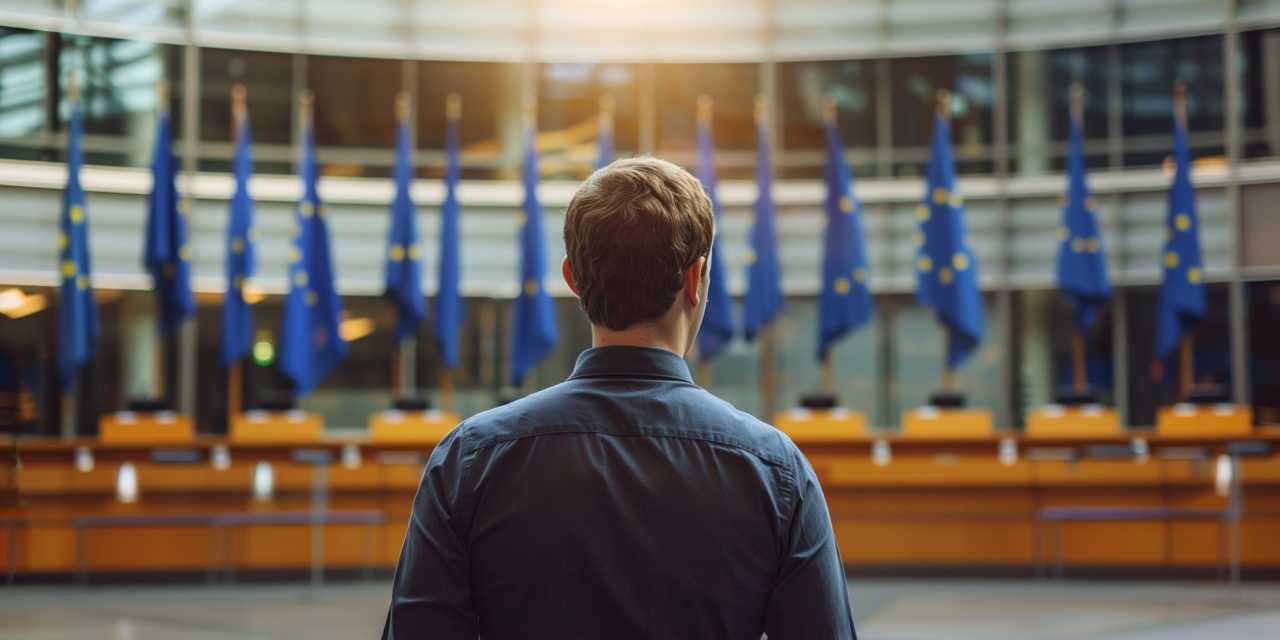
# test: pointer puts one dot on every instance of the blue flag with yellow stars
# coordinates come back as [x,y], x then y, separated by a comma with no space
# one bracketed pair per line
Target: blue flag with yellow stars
[237,315]
[449,304]
[1182,301]
[311,342]
[844,304]
[1082,263]
[763,299]
[946,272]
[167,255]
[533,328]
[403,262]
[77,310]
[717,322]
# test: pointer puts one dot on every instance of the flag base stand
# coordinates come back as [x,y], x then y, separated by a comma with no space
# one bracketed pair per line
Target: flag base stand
[948,423]
[423,427]
[823,425]
[160,427]
[1202,420]
[1072,421]
[276,426]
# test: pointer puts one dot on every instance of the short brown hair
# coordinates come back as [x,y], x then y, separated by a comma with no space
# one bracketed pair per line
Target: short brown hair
[630,232]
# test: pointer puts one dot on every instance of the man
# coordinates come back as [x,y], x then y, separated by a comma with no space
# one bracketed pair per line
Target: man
[625,502]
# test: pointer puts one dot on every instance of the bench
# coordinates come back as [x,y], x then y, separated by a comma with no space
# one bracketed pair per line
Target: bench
[1053,517]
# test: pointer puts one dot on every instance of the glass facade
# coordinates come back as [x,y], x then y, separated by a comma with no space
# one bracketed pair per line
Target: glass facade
[885,106]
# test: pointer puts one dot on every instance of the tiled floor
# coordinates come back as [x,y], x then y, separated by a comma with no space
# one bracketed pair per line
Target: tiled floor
[883,609]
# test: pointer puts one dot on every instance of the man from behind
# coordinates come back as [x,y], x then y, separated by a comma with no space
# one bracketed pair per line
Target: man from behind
[625,502]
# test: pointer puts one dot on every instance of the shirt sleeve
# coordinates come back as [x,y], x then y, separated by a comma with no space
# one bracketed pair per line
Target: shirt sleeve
[431,595]
[810,598]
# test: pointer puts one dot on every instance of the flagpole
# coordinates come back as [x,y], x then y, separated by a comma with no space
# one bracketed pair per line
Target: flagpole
[1188,359]
[828,363]
[159,377]
[406,364]
[704,364]
[768,333]
[604,126]
[452,111]
[69,426]
[235,386]
[948,374]
[1078,355]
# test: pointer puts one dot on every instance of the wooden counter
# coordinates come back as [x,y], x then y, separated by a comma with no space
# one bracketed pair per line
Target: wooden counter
[935,503]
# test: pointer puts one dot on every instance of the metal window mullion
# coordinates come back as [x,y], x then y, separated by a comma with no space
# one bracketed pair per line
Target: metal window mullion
[1237,313]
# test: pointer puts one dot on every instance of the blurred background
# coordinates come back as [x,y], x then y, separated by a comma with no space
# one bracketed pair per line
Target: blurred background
[1205,505]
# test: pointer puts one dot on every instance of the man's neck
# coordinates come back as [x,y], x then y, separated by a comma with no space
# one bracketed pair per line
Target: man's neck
[644,335]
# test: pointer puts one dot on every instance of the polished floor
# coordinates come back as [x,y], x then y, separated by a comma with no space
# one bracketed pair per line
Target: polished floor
[883,610]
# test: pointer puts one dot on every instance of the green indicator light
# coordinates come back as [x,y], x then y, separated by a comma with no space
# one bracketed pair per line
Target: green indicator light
[263,353]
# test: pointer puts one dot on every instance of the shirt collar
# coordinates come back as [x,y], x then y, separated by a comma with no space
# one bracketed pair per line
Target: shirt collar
[631,362]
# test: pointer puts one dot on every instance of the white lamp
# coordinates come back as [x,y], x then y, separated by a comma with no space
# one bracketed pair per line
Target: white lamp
[127,483]
[264,481]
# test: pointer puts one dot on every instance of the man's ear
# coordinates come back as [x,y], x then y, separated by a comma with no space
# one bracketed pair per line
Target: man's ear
[693,275]
[568,276]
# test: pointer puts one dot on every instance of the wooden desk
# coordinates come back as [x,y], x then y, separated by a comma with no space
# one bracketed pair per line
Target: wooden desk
[154,428]
[276,426]
[426,427]
[829,425]
[1058,421]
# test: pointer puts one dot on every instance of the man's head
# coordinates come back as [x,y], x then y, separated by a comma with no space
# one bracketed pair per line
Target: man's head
[638,235]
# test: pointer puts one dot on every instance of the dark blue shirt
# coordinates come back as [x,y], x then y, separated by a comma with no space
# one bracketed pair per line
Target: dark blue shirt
[624,503]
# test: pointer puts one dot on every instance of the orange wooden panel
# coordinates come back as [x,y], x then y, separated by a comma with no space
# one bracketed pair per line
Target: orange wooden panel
[164,427]
[1114,543]
[1056,421]
[146,548]
[930,422]
[48,549]
[1195,543]
[160,478]
[63,479]
[1123,471]
[941,470]
[411,426]
[366,476]
[1188,472]
[1255,471]
[836,425]
[276,426]
[1196,420]
[401,476]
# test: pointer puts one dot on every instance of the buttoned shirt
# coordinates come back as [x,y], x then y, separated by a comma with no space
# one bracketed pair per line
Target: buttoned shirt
[625,502]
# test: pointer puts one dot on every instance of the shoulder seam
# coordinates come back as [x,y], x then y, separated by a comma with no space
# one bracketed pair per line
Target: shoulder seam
[568,429]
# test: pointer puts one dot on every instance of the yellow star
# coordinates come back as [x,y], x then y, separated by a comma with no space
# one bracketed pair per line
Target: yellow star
[300,278]
[1182,221]
[1063,233]
[1194,276]
[957,200]
[860,275]
[82,282]
[940,195]
[413,252]
[960,261]
[1077,245]
[923,263]
[68,268]
[77,214]
[1170,259]
[846,204]
[397,253]
[237,245]
[841,285]
[945,276]
[1093,245]
[750,256]
[305,209]
[186,252]
[922,212]
[530,287]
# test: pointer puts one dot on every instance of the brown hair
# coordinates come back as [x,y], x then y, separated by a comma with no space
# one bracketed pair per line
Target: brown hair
[630,232]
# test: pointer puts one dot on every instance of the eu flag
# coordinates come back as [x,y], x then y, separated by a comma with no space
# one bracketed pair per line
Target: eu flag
[237,315]
[1182,301]
[167,255]
[763,299]
[534,331]
[946,272]
[717,321]
[449,303]
[403,267]
[1082,263]
[78,312]
[844,303]
[311,343]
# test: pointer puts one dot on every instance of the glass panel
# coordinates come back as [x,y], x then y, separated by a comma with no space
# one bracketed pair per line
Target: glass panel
[267,78]
[802,86]
[384,22]
[1040,105]
[23,78]
[568,104]
[732,88]
[1260,91]
[278,18]
[118,81]
[915,85]
[941,21]
[490,125]
[355,107]
[1154,384]
[1148,70]
[1264,350]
